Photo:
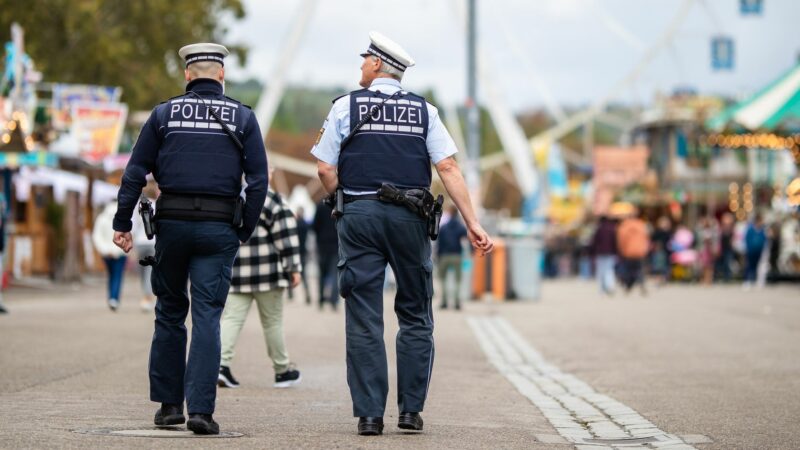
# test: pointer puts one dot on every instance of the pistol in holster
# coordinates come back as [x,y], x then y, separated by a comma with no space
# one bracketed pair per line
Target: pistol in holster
[336,201]
[435,217]
[148,217]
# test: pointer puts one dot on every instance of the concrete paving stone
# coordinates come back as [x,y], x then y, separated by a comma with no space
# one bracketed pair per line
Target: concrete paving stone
[610,433]
[578,387]
[592,417]
[549,411]
[636,426]
[564,423]
[551,407]
[592,447]
[667,443]
[570,427]
[646,432]
[606,430]
[670,437]
[629,417]
[636,416]
[576,433]
[604,422]
[597,397]
[631,422]
[564,419]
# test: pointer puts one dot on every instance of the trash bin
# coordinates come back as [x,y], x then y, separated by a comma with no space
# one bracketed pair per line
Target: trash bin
[525,266]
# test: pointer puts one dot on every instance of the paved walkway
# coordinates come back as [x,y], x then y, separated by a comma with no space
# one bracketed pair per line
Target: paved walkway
[687,360]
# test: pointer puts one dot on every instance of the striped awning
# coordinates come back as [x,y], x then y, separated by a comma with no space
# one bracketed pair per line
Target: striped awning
[767,109]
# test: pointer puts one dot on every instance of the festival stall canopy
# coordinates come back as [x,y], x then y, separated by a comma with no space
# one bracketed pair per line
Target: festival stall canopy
[772,106]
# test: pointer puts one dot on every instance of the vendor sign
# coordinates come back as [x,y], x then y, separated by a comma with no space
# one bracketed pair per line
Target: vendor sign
[66,95]
[98,127]
[614,169]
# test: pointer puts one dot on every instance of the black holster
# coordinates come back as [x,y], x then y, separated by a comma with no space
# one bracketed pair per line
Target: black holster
[435,218]
[419,201]
[336,201]
[148,217]
[238,212]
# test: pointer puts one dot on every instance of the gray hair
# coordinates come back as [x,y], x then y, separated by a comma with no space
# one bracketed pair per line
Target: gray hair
[204,69]
[395,73]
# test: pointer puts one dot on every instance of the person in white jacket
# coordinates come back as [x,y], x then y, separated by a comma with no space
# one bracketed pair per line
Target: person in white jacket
[113,256]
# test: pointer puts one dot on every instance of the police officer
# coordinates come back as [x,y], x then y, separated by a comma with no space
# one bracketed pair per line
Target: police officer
[397,136]
[196,146]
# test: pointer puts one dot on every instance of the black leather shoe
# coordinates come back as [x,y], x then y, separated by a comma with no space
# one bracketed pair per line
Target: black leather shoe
[370,426]
[202,424]
[410,421]
[169,415]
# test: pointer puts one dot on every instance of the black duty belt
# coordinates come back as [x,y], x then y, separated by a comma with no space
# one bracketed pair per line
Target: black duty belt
[195,207]
[420,201]
[348,198]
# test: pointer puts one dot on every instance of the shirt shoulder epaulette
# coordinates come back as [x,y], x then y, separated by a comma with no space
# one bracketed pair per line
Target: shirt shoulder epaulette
[337,98]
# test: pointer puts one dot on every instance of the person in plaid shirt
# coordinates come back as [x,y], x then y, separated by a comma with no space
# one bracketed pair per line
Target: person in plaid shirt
[266,265]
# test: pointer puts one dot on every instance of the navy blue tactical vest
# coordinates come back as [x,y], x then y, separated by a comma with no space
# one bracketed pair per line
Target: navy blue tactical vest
[390,147]
[196,155]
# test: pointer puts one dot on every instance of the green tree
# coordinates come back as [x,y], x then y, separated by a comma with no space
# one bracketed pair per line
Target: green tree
[133,44]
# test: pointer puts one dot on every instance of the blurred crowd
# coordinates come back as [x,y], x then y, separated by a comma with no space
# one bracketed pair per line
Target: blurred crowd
[627,250]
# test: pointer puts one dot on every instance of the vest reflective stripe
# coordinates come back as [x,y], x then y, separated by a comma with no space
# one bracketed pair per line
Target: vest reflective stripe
[389,148]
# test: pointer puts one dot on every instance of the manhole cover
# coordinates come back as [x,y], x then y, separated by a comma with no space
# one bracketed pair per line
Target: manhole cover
[175,432]
[622,441]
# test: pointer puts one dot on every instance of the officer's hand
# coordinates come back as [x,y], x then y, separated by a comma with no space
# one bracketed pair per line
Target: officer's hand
[295,279]
[480,239]
[123,240]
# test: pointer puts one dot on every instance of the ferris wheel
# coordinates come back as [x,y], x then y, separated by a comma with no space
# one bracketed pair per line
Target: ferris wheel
[517,147]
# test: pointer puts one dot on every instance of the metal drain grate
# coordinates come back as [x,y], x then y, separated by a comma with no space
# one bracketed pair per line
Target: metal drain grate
[152,432]
[622,441]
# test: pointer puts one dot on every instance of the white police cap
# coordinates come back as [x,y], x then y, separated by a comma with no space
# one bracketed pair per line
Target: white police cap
[388,51]
[204,51]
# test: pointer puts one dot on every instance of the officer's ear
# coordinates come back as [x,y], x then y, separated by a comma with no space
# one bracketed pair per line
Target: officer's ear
[221,75]
[186,75]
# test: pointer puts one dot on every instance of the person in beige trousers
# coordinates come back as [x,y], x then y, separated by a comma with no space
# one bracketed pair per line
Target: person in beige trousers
[265,267]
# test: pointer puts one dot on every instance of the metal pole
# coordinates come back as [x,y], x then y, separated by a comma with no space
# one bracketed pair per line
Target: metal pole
[275,85]
[473,113]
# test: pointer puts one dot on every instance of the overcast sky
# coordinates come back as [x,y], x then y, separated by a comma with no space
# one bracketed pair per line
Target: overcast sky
[576,49]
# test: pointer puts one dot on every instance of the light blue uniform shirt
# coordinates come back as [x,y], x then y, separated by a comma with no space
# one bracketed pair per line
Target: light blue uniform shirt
[337,127]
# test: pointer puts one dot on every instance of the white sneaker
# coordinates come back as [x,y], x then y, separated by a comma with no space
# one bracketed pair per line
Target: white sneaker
[288,378]
[113,304]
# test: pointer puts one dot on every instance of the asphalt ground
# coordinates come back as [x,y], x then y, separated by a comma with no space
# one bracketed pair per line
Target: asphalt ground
[715,361]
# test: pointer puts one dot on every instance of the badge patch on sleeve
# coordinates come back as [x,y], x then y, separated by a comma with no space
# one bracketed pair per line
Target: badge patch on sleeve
[319,136]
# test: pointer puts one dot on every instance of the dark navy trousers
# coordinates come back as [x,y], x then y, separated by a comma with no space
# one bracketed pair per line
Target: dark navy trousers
[201,253]
[371,235]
